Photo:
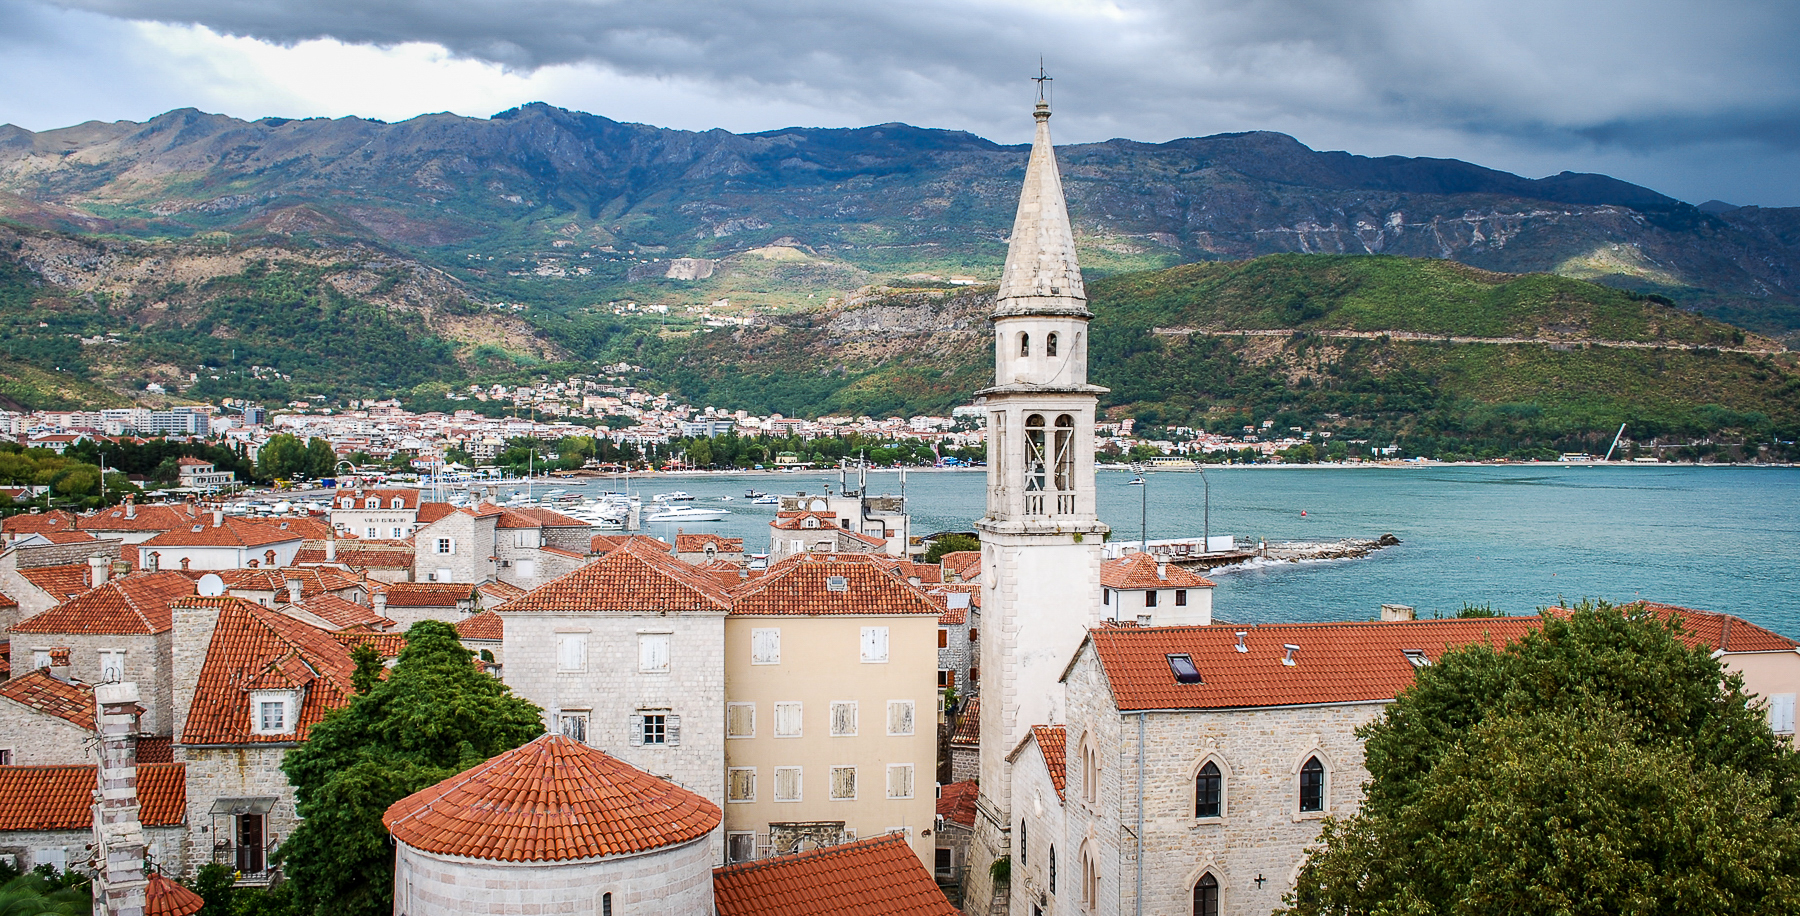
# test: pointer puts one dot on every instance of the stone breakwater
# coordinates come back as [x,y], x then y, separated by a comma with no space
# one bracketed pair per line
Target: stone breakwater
[1345,549]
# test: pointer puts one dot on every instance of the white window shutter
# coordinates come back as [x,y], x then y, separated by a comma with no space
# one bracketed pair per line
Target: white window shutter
[637,731]
[1781,713]
[673,725]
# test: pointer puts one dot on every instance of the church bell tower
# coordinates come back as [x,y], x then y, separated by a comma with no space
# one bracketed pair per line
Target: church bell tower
[1041,536]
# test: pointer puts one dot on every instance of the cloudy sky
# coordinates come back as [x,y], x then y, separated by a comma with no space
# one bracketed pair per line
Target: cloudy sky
[1699,100]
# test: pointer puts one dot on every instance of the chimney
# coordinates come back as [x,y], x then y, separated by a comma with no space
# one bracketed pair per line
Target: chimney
[152,560]
[59,663]
[293,590]
[121,568]
[130,508]
[1397,612]
[1162,569]
[98,570]
[119,882]
[218,516]
[331,547]
[378,601]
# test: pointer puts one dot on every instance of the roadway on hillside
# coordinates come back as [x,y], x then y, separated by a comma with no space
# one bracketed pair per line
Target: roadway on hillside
[1451,338]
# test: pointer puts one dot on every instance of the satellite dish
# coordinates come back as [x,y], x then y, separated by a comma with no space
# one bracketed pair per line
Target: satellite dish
[211,586]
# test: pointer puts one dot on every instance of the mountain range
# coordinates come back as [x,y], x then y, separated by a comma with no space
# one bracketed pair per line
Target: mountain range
[561,209]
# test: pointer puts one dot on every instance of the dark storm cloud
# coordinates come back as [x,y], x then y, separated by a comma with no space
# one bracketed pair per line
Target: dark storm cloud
[1650,85]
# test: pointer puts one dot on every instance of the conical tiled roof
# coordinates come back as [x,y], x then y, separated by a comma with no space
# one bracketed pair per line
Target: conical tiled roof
[551,800]
[166,898]
[1041,274]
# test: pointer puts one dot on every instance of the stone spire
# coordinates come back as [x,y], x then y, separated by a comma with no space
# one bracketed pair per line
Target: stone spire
[1041,275]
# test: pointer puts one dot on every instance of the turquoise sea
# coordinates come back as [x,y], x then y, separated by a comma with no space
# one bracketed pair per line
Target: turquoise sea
[1723,539]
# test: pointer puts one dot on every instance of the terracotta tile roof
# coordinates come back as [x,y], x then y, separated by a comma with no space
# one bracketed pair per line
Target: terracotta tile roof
[388,644]
[342,612]
[926,573]
[1052,742]
[230,532]
[191,462]
[881,876]
[1722,631]
[431,512]
[607,543]
[485,625]
[39,522]
[60,582]
[633,578]
[1138,571]
[551,800]
[955,616]
[968,724]
[134,605]
[696,543]
[310,528]
[7,600]
[62,797]
[964,564]
[796,521]
[155,749]
[559,552]
[314,580]
[249,642]
[66,537]
[160,517]
[956,802]
[409,498]
[163,897]
[428,594]
[547,518]
[497,593]
[364,553]
[39,691]
[1336,662]
[799,585]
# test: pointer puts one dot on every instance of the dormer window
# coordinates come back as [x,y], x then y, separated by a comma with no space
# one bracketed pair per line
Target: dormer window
[397,503]
[272,712]
[1417,658]
[837,584]
[373,502]
[811,522]
[1182,666]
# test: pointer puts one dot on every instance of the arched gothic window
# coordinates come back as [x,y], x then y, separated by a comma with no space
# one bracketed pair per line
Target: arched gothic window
[1024,344]
[1209,791]
[1065,454]
[1090,878]
[1036,458]
[1206,896]
[1050,344]
[1090,770]
[1052,868]
[1312,785]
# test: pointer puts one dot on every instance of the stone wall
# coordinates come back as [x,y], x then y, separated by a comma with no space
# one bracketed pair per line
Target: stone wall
[676,881]
[40,739]
[236,771]
[1037,807]
[147,662]
[31,599]
[1262,832]
[472,560]
[166,846]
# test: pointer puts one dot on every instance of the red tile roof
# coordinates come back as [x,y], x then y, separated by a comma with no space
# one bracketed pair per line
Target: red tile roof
[1722,631]
[314,580]
[633,578]
[191,462]
[39,522]
[62,797]
[230,532]
[796,521]
[956,802]
[252,641]
[497,593]
[163,897]
[428,594]
[696,543]
[798,586]
[43,693]
[342,612]
[161,517]
[485,625]
[388,645]
[535,517]
[1139,571]
[431,512]
[965,564]
[66,537]
[134,605]
[409,498]
[60,582]
[881,876]
[359,553]
[968,723]
[1052,742]
[154,749]
[553,799]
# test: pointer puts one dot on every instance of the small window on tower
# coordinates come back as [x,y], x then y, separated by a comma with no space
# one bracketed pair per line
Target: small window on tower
[1024,344]
[1050,345]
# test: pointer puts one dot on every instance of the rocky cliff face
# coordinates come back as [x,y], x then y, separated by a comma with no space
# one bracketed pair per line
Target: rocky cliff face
[889,199]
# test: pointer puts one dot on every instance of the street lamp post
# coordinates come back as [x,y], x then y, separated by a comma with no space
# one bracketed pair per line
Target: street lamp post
[1206,526]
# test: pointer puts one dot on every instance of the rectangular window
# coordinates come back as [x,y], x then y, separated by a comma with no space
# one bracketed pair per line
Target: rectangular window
[1181,597]
[40,658]
[843,783]
[740,784]
[370,531]
[6,757]
[1106,597]
[571,651]
[787,720]
[943,678]
[787,784]
[943,638]
[446,545]
[656,728]
[575,725]
[399,533]
[740,720]
[900,780]
[765,646]
[875,644]
[112,666]
[740,847]
[653,652]
[1150,598]
[843,718]
[900,717]
[272,716]
[1781,714]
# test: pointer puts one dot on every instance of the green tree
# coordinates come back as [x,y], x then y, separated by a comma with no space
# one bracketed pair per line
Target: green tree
[216,884]
[281,457]
[321,460]
[38,894]
[950,543]
[434,716]
[1599,765]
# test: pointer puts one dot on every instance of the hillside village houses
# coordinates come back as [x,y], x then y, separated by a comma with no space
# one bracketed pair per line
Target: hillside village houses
[718,736]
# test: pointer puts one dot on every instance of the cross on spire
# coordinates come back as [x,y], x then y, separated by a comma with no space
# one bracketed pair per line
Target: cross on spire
[1041,79]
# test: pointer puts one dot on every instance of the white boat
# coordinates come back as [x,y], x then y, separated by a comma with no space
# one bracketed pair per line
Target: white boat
[684,514]
[678,496]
